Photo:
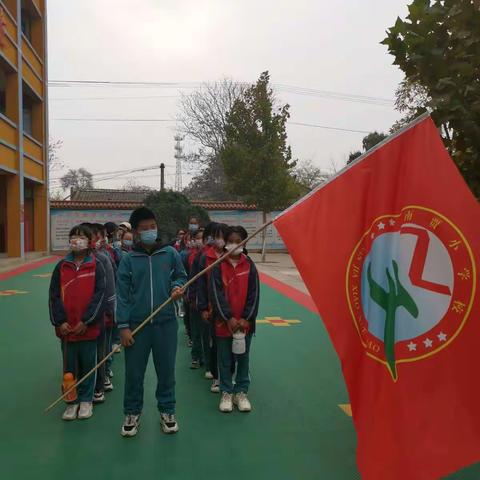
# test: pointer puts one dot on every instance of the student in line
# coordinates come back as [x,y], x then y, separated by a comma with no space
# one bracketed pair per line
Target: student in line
[104,373]
[235,297]
[76,304]
[213,253]
[147,277]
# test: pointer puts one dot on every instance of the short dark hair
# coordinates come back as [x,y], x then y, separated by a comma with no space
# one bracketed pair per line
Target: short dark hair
[219,228]
[209,228]
[238,230]
[111,228]
[82,230]
[142,213]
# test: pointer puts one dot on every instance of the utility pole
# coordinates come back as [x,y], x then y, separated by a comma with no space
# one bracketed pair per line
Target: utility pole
[162,177]
[178,162]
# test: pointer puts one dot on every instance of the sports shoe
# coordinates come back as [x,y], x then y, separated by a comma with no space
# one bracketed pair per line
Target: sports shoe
[98,397]
[195,365]
[208,375]
[108,385]
[109,373]
[242,402]
[85,411]
[130,425]
[215,387]
[226,402]
[190,343]
[169,423]
[70,412]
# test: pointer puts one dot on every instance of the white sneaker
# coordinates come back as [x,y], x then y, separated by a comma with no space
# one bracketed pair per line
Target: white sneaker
[130,425]
[70,412]
[208,375]
[242,402]
[226,402]
[85,411]
[215,387]
[169,423]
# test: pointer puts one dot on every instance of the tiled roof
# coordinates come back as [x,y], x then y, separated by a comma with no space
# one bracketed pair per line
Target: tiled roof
[126,205]
[106,195]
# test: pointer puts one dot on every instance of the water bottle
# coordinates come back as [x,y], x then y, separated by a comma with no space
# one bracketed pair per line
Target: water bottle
[238,344]
[180,308]
[68,382]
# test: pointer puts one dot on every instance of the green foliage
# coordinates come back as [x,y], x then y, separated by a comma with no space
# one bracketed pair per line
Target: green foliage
[256,158]
[438,48]
[173,210]
[368,142]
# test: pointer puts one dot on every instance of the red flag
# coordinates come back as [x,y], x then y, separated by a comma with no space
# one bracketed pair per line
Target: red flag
[388,251]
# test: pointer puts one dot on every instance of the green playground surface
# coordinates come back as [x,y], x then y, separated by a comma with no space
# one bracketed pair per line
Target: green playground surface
[295,431]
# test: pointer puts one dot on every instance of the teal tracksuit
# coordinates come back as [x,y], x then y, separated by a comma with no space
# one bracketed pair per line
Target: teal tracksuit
[144,281]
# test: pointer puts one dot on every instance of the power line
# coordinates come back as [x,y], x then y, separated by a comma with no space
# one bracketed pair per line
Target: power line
[300,124]
[58,99]
[333,95]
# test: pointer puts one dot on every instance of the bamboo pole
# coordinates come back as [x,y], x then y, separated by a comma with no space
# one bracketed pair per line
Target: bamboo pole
[154,313]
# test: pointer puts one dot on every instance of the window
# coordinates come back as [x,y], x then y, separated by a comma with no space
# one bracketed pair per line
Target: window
[3,90]
[27,24]
[27,115]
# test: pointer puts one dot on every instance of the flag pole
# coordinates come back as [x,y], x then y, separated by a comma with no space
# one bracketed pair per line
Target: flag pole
[154,313]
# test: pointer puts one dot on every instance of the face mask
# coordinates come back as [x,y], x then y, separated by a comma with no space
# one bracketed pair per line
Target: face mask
[199,243]
[234,248]
[193,227]
[210,240]
[220,243]
[78,244]
[149,237]
[117,244]
[128,243]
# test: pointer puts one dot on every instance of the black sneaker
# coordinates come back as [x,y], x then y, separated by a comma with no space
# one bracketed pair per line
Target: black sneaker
[169,423]
[130,425]
[195,365]
[98,397]
[108,385]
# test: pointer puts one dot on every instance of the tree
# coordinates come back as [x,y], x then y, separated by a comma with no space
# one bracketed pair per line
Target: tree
[438,48]
[173,210]
[132,185]
[80,179]
[54,162]
[256,158]
[368,142]
[308,176]
[203,119]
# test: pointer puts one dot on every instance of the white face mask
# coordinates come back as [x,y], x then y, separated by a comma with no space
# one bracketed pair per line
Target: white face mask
[219,242]
[234,248]
[78,244]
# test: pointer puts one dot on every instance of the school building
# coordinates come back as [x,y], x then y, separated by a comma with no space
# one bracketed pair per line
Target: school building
[23,128]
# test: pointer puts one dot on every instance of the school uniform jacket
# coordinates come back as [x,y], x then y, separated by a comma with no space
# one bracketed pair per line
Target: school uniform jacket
[77,294]
[146,280]
[202,292]
[110,295]
[234,293]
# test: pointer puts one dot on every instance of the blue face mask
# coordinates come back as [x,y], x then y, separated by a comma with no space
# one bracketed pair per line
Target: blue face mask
[117,244]
[127,243]
[193,227]
[148,237]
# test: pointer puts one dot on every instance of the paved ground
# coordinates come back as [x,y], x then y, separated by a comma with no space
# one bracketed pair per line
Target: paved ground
[296,430]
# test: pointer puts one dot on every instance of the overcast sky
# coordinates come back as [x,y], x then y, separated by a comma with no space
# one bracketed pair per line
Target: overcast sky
[323,45]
